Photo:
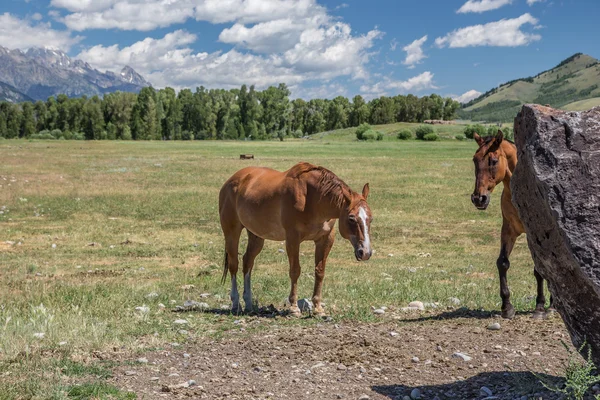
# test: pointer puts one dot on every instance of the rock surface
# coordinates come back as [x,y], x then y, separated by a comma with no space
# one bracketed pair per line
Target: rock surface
[556,189]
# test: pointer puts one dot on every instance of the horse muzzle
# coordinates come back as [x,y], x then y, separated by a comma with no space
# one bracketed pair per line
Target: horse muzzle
[362,254]
[480,201]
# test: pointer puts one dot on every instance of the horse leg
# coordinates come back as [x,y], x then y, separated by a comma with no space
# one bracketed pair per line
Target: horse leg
[232,240]
[540,301]
[292,245]
[322,248]
[255,245]
[551,310]
[508,238]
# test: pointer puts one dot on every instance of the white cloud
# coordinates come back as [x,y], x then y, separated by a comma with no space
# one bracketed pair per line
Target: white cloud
[37,17]
[393,44]
[479,6]
[414,52]
[467,96]
[145,15]
[16,33]
[532,2]
[505,33]
[321,54]
[388,86]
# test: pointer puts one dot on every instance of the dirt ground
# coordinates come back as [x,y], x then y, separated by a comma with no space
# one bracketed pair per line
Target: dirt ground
[385,360]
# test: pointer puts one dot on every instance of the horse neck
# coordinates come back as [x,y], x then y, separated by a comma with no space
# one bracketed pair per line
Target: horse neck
[335,206]
[510,152]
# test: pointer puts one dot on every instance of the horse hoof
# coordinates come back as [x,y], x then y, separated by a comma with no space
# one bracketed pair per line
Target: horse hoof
[236,310]
[295,312]
[538,315]
[509,313]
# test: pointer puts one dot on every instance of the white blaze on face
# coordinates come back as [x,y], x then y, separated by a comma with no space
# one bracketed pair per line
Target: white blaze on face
[367,241]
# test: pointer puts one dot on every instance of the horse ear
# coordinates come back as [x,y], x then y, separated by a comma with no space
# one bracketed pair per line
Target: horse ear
[365,191]
[478,139]
[499,136]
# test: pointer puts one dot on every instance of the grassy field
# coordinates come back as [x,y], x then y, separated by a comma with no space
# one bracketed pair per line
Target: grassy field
[91,230]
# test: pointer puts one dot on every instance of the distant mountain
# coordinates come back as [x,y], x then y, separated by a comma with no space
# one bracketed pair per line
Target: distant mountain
[43,72]
[12,95]
[565,86]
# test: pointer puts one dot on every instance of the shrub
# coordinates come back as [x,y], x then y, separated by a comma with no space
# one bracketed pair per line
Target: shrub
[372,134]
[361,130]
[369,135]
[56,133]
[298,133]
[460,136]
[404,134]
[126,134]
[44,135]
[470,130]
[78,136]
[187,135]
[67,135]
[422,131]
[431,137]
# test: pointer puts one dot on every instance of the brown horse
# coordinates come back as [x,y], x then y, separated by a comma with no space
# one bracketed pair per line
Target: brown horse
[299,204]
[495,160]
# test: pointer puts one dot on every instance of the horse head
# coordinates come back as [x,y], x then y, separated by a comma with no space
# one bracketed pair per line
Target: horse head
[355,223]
[490,168]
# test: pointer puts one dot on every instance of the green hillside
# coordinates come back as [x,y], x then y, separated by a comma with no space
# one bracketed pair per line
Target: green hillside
[582,105]
[573,80]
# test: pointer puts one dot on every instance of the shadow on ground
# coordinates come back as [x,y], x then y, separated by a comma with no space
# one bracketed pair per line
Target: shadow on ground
[503,385]
[462,312]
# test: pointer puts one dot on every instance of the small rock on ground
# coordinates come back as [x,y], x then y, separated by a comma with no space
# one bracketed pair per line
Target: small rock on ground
[494,327]
[461,356]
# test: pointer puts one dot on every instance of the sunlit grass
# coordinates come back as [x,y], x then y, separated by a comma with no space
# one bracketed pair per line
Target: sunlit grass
[96,227]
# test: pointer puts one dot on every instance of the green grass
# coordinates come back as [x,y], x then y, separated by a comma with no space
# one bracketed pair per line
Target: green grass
[150,209]
[582,105]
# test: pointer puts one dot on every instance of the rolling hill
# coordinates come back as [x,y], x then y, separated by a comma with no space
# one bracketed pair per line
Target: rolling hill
[567,85]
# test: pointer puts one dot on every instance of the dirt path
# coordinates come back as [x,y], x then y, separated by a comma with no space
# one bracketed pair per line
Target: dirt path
[387,360]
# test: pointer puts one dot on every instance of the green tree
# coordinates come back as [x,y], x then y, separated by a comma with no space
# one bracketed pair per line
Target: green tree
[27,120]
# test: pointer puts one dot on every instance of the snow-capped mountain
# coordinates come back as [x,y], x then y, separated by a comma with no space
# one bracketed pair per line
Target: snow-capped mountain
[43,72]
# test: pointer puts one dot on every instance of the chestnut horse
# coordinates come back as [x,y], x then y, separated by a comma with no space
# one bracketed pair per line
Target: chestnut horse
[299,204]
[495,161]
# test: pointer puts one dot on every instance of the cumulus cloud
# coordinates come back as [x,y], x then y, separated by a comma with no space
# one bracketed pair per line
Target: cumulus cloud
[147,15]
[467,96]
[479,6]
[414,52]
[532,2]
[321,54]
[389,86]
[16,33]
[505,33]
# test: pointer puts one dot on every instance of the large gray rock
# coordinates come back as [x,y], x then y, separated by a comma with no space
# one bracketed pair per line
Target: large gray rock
[556,189]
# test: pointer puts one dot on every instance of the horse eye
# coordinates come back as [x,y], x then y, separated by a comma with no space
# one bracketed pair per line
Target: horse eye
[352,218]
[493,161]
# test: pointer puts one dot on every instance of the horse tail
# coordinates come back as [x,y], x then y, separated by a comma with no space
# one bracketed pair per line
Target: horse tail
[225,269]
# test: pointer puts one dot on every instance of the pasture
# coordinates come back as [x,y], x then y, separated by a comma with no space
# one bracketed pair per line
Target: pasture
[99,241]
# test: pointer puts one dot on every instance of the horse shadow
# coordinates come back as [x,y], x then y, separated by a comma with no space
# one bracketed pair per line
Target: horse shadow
[462,312]
[268,312]
[502,385]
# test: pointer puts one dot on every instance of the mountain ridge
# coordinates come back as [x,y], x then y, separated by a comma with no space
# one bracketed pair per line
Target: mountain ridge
[574,79]
[43,72]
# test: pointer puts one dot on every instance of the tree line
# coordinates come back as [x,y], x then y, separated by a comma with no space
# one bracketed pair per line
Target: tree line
[243,113]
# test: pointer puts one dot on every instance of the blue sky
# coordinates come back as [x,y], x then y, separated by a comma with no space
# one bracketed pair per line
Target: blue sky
[320,48]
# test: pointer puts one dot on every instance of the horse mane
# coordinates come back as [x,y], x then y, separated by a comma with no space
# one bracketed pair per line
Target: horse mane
[328,183]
